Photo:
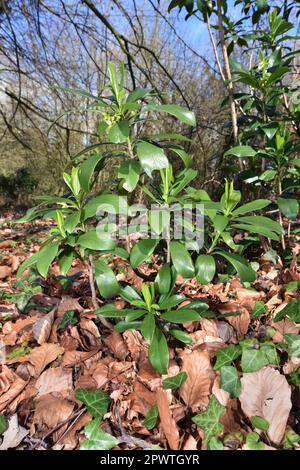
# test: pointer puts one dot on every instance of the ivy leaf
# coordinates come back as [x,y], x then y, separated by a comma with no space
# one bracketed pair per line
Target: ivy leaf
[293,341]
[260,423]
[209,420]
[3,423]
[175,382]
[253,441]
[258,309]
[96,401]
[255,355]
[96,438]
[69,318]
[230,380]
[215,444]
[227,355]
[291,310]
[151,418]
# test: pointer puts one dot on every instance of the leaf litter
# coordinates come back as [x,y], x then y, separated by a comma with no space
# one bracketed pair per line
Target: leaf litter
[83,386]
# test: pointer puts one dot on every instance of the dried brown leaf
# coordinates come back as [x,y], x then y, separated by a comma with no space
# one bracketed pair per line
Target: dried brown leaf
[266,393]
[168,424]
[196,389]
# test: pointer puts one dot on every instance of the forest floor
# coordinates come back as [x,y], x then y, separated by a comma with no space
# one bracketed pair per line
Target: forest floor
[53,344]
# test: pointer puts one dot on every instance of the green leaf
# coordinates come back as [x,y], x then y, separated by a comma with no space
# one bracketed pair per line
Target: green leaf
[87,169]
[27,263]
[260,423]
[110,203]
[138,94]
[230,380]
[21,350]
[215,444]
[128,325]
[291,310]
[241,151]
[209,420]
[119,132]
[256,205]
[182,260]
[181,316]
[158,352]
[96,438]
[205,267]
[96,241]
[289,207]
[96,401]
[258,309]
[171,302]
[183,114]
[141,251]
[129,293]
[174,382]
[148,327]
[293,341]
[65,261]
[106,280]
[71,221]
[130,173]
[46,255]
[70,318]
[151,418]
[151,157]
[256,356]
[181,336]
[227,355]
[244,270]
[253,441]
[3,423]
[163,279]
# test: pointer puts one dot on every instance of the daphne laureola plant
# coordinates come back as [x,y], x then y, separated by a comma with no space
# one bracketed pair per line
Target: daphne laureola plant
[147,165]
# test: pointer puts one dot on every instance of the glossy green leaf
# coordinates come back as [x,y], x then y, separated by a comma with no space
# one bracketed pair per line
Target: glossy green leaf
[96,241]
[243,268]
[87,169]
[291,310]
[158,352]
[129,171]
[119,132]
[256,205]
[241,151]
[227,355]
[230,380]
[253,441]
[175,382]
[70,318]
[151,157]
[163,279]
[293,341]
[183,114]
[258,309]
[110,203]
[96,401]
[46,256]
[181,316]
[32,260]
[128,325]
[96,438]
[106,280]
[151,418]
[205,267]
[209,420]
[141,251]
[181,259]
[181,336]
[148,327]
